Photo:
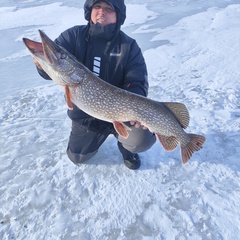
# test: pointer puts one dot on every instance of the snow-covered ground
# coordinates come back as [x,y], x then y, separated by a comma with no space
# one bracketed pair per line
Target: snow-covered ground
[192,53]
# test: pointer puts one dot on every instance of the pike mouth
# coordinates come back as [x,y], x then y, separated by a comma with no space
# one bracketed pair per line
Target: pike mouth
[35,48]
[50,49]
[45,50]
[51,58]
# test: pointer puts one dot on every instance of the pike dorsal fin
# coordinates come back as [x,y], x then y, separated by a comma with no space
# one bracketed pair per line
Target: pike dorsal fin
[180,111]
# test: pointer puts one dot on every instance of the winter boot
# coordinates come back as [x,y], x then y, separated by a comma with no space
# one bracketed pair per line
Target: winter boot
[131,160]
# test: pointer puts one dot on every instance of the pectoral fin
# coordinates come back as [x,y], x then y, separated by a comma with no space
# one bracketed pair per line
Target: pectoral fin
[121,129]
[68,98]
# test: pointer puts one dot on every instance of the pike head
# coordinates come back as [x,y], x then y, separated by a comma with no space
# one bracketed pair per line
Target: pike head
[57,62]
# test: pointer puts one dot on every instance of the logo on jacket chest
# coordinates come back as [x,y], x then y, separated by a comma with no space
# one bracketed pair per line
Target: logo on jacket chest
[115,54]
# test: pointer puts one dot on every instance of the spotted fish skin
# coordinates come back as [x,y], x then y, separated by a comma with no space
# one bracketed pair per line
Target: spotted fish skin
[109,103]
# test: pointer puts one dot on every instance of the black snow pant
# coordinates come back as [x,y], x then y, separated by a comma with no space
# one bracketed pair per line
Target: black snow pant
[87,136]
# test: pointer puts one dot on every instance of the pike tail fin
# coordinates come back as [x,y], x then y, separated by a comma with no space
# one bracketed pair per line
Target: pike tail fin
[193,145]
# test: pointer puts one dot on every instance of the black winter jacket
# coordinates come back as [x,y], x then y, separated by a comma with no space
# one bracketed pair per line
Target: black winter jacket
[118,61]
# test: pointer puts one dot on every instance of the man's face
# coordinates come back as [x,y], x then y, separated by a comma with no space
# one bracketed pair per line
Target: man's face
[103,13]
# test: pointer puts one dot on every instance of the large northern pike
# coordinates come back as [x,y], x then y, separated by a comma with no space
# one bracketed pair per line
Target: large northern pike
[109,103]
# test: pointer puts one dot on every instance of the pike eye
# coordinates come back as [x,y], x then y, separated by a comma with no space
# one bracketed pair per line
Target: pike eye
[63,56]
